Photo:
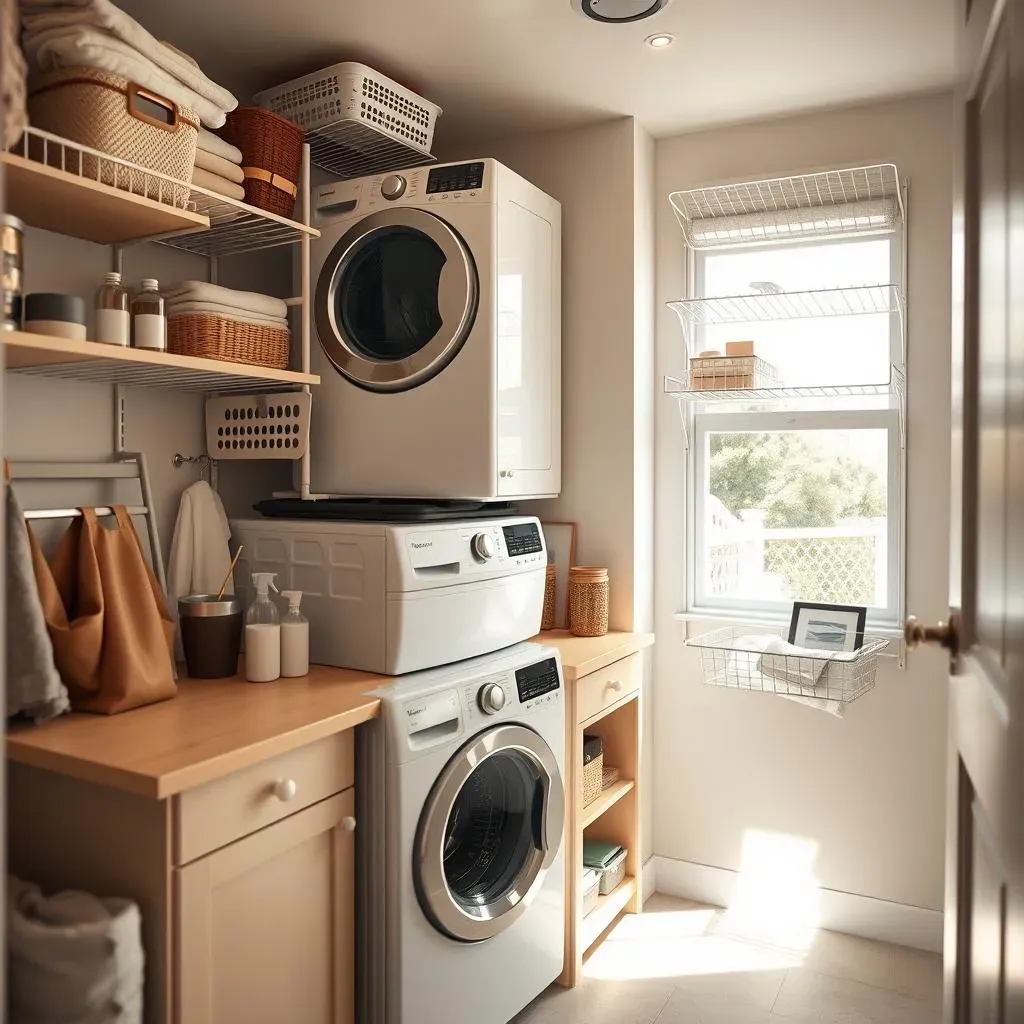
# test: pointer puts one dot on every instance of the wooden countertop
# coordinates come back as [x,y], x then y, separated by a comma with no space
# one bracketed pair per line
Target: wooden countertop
[215,727]
[212,728]
[582,655]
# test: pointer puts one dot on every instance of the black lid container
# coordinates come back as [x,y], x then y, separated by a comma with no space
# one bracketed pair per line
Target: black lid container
[211,634]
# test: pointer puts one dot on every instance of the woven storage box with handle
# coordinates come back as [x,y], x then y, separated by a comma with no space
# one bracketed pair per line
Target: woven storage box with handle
[593,768]
[271,157]
[107,112]
[218,337]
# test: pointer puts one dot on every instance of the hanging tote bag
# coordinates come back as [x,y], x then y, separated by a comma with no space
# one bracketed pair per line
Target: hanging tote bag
[112,635]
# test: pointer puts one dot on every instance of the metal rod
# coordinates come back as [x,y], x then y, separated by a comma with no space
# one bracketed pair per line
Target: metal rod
[305,312]
[74,513]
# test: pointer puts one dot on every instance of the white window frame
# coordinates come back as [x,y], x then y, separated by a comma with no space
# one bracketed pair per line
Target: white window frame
[847,416]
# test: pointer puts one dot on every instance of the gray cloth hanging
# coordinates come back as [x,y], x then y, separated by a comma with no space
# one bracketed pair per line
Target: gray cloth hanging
[34,687]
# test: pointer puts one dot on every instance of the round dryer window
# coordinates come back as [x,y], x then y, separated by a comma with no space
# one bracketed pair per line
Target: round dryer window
[490,830]
[396,299]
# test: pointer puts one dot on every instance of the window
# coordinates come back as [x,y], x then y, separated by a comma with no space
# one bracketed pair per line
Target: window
[799,498]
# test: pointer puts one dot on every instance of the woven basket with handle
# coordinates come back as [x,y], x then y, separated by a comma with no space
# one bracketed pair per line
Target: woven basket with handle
[271,157]
[218,337]
[107,112]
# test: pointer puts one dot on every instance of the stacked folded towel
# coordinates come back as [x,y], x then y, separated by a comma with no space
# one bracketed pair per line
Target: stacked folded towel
[218,166]
[191,297]
[97,34]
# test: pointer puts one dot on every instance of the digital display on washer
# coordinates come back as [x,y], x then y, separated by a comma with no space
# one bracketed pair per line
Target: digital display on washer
[523,539]
[536,680]
[455,179]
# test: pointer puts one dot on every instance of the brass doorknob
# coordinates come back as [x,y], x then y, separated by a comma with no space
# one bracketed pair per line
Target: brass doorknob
[944,634]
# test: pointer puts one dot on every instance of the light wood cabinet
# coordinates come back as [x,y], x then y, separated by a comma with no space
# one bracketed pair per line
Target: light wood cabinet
[265,926]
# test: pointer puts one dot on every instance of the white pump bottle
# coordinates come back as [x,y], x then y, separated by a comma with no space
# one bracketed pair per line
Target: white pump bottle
[263,633]
[294,637]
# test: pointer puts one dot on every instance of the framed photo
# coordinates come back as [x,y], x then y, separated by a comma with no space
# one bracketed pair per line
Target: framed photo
[828,627]
[560,540]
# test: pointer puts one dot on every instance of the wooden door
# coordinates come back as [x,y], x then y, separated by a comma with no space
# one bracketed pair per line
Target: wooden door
[265,926]
[984,945]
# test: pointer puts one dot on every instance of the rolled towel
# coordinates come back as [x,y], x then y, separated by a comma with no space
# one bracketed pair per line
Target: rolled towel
[215,183]
[231,312]
[201,291]
[74,46]
[210,143]
[218,165]
[39,16]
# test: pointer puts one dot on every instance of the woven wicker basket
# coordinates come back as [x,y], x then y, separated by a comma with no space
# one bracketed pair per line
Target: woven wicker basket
[592,774]
[217,337]
[271,157]
[588,601]
[111,114]
[547,619]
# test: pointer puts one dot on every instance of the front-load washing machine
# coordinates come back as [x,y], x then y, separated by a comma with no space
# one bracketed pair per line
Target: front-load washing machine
[459,847]
[437,304]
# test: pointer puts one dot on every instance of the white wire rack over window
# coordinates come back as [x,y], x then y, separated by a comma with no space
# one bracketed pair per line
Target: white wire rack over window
[735,658]
[854,201]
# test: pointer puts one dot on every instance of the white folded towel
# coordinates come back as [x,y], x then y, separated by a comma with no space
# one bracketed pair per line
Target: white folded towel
[210,143]
[217,183]
[75,46]
[175,309]
[247,302]
[218,165]
[39,16]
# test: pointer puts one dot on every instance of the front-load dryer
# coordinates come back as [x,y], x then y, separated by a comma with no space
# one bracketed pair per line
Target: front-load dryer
[461,801]
[437,304]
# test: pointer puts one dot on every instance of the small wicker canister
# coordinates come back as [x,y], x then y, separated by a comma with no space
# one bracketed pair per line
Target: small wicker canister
[271,157]
[547,619]
[218,337]
[593,768]
[588,601]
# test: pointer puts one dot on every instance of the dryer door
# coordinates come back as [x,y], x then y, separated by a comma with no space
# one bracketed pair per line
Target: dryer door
[396,299]
[490,829]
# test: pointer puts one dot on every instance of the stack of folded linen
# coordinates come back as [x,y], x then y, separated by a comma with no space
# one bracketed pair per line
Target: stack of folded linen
[97,34]
[198,297]
[218,166]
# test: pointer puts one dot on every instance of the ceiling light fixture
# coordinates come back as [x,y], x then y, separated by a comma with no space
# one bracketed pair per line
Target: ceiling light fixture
[660,41]
[619,12]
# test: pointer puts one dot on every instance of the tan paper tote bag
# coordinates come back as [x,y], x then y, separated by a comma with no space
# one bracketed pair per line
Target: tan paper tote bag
[112,636]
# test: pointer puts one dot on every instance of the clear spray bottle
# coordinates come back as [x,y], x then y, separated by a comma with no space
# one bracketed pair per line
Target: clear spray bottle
[263,633]
[294,637]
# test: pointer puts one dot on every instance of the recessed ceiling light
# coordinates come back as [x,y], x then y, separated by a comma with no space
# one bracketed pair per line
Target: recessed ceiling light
[619,12]
[660,41]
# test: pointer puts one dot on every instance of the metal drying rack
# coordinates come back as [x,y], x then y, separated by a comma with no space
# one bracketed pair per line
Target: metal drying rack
[125,466]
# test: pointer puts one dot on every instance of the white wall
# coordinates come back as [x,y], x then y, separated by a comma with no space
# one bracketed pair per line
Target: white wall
[868,789]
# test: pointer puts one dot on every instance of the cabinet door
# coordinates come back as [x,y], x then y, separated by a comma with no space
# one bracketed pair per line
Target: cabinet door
[265,925]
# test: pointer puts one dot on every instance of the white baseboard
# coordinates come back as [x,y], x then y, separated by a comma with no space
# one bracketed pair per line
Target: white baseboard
[838,911]
[648,879]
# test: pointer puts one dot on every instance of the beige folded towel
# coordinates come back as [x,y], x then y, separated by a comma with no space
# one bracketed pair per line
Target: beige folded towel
[244,302]
[225,313]
[210,143]
[218,165]
[215,183]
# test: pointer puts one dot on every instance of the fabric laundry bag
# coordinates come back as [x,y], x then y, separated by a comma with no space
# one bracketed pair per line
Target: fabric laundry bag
[111,631]
[73,958]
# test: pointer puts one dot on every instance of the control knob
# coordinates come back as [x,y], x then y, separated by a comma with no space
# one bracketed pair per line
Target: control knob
[393,187]
[484,547]
[491,698]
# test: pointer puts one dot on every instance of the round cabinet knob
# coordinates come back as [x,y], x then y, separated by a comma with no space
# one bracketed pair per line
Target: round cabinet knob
[491,698]
[348,824]
[484,546]
[285,790]
[393,187]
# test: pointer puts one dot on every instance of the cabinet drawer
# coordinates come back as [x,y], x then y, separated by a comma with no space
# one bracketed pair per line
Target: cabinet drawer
[222,811]
[607,686]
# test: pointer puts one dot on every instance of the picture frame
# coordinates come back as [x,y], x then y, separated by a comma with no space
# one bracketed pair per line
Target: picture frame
[560,541]
[830,627]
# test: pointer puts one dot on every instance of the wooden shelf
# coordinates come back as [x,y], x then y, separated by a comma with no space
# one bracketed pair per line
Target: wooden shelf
[42,355]
[608,908]
[55,200]
[608,799]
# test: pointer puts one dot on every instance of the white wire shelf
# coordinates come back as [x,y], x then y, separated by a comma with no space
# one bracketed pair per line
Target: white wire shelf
[851,201]
[41,355]
[682,390]
[803,305]
[72,189]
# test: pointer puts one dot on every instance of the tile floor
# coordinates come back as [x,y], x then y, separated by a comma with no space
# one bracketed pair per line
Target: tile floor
[683,963]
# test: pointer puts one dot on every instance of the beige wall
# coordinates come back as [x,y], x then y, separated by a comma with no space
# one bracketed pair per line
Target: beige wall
[868,789]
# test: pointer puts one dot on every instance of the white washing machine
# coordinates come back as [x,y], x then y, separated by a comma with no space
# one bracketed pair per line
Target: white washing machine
[461,874]
[437,304]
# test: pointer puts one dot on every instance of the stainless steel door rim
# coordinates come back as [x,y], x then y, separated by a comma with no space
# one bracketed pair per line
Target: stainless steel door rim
[457,298]
[477,923]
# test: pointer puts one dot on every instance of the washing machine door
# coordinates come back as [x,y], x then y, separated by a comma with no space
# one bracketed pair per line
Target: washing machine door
[396,299]
[489,831]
